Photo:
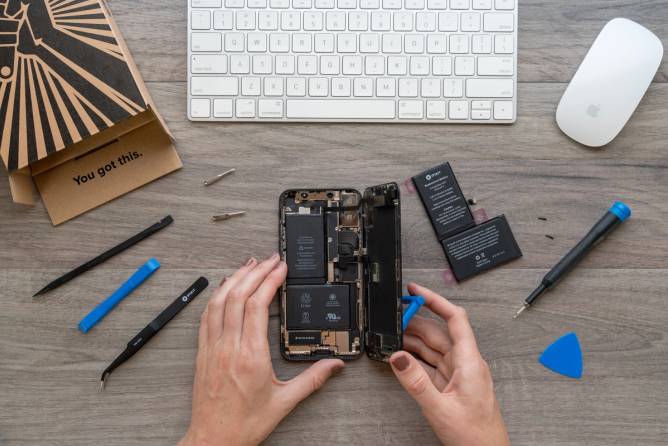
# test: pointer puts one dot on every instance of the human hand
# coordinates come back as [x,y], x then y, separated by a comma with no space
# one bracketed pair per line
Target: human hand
[452,383]
[237,399]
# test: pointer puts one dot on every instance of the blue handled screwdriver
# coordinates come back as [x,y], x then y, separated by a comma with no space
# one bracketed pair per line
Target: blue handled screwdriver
[617,213]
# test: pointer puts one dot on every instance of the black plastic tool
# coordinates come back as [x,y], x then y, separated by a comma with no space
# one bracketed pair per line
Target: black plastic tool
[155,326]
[107,255]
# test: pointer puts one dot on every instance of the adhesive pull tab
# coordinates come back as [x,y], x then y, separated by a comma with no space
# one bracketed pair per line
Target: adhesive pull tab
[564,356]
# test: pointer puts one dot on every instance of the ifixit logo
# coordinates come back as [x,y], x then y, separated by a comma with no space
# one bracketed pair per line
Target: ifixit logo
[432,175]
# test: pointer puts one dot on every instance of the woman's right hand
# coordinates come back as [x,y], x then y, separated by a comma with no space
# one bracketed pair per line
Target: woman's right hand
[452,383]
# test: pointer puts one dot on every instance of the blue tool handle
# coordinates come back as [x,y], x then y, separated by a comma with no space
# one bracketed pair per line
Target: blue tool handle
[414,304]
[121,293]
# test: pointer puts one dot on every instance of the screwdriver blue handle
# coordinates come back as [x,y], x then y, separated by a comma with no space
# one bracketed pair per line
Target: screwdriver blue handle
[414,304]
[99,312]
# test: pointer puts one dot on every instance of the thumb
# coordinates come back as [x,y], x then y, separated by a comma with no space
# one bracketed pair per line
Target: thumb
[414,379]
[311,379]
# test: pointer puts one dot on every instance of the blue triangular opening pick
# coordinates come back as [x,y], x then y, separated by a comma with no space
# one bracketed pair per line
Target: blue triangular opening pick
[564,356]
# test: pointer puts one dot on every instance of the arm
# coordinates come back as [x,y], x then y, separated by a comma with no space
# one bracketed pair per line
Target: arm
[237,399]
[451,383]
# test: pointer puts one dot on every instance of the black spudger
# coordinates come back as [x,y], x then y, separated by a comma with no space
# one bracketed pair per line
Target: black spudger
[155,326]
[107,255]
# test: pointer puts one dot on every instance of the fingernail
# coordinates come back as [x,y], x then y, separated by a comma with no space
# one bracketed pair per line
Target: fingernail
[401,362]
[250,261]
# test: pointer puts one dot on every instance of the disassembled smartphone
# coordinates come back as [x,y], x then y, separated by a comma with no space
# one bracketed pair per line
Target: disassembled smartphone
[343,291]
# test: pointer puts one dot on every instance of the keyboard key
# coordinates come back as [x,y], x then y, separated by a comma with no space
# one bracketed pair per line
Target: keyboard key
[369,43]
[214,86]
[208,64]
[335,21]
[257,42]
[504,44]
[442,66]
[267,20]
[374,65]
[200,108]
[495,66]
[223,19]
[234,3]
[480,115]
[369,4]
[245,108]
[352,65]
[385,87]
[318,86]
[285,64]
[419,65]
[205,3]
[257,3]
[489,88]
[397,65]
[448,21]
[346,4]
[411,109]
[414,43]
[453,88]
[414,4]
[481,105]
[459,43]
[501,21]
[234,42]
[279,42]
[200,20]
[435,109]
[464,66]
[458,110]
[273,86]
[436,4]
[425,21]
[340,109]
[430,88]
[324,43]
[470,21]
[302,4]
[245,20]
[239,64]
[403,21]
[358,21]
[270,108]
[325,4]
[363,87]
[380,21]
[340,86]
[301,43]
[504,4]
[482,4]
[481,44]
[391,43]
[290,20]
[346,43]
[262,64]
[313,21]
[459,4]
[408,88]
[307,64]
[330,65]
[392,4]
[250,86]
[210,42]
[503,110]
[222,108]
[280,4]
[296,86]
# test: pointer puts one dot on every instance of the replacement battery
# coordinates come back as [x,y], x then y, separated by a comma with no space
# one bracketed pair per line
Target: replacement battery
[481,248]
[443,200]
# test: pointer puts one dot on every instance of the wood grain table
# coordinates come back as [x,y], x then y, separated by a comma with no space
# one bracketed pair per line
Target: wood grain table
[617,301]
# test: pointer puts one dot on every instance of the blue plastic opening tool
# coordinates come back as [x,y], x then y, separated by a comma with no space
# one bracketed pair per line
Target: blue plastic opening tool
[564,356]
[414,304]
[99,312]
[617,213]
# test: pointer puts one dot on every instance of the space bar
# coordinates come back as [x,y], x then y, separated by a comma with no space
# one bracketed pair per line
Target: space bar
[340,109]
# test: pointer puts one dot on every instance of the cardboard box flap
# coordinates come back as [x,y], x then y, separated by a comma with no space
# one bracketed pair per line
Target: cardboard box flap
[60,80]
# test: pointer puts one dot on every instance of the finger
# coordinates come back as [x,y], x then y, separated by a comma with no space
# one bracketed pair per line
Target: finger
[416,345]
[459,327]
[233,320]
[202,338]
[256,317]
[440,382]
[310,380]
[216,306]
[414,379]
[431,332]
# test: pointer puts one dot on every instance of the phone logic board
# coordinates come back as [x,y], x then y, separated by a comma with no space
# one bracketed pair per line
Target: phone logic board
[323,301]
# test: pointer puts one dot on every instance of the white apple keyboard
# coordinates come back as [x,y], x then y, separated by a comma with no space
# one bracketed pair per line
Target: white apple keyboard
[424,61]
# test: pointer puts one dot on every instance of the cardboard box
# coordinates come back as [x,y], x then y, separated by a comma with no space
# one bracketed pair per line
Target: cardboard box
[76,119]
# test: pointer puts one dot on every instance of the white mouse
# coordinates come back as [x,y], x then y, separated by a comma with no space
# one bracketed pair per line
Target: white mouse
[609,83]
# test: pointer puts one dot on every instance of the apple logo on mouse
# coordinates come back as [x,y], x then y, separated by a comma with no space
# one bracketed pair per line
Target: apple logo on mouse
[593,110]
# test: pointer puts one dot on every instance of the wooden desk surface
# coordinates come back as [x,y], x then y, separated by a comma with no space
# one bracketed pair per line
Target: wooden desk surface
[616,301]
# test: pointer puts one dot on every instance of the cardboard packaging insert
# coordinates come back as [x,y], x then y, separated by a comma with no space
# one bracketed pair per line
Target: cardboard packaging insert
[75,116]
